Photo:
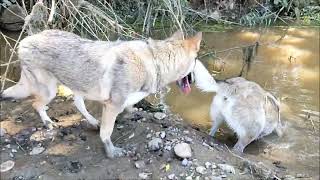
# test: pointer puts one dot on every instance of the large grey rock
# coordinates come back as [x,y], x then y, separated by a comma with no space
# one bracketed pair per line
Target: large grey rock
[183,150]
[12,18]
[6,166]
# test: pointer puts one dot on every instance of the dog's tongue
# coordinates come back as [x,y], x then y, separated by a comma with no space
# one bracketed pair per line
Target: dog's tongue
[186,89]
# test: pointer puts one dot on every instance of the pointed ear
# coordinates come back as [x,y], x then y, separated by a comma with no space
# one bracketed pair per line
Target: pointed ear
[193,43]
[178,35]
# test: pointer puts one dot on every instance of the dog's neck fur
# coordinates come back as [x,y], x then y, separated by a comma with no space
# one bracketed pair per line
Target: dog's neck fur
[170,64]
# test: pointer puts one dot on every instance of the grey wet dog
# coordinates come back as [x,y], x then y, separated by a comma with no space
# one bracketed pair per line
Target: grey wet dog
[247,108]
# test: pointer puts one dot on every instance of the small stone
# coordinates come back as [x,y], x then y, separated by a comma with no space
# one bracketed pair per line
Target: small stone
[227,168]
[144,175]
[120,126]
[223,176]
[140,109]
[168,148]
[37,150]
[149,136]
[216,178]
[299,175]
[3,132]
[188,140]
[8,146]
[288,177]
[6,166]
[184,162]
[213,166]
[183,150]
[139,164]
[11,155]
[162,134]
[159,115]
[171,176]
[201,170]
[155,144]
[207,165]
[189,178]
[197,178]
[14,150]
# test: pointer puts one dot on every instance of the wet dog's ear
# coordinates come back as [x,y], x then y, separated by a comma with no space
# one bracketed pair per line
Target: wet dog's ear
[178,35]
[193,43]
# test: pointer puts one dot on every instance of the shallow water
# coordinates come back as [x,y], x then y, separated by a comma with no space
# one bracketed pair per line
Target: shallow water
[289,69]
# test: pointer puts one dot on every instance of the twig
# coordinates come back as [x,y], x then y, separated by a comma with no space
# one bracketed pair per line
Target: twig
[52,11]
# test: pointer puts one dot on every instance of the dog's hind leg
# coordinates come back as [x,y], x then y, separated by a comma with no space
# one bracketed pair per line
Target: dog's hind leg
[19,91]
[216,118]
[109,113]
[44,93]
[79,103]
[243,141]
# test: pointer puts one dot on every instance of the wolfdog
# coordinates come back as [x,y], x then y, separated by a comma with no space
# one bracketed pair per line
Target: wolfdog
[248,109]
[117,74]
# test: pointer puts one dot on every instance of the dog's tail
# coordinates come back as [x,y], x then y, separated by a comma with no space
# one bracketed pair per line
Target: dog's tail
[18,91]
[276,102]
[203,79]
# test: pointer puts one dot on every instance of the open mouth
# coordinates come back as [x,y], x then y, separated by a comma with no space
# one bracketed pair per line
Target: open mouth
[184,83]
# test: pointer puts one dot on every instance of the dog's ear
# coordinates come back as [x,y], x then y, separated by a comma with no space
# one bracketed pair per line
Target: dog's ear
[178,35]
[193,43]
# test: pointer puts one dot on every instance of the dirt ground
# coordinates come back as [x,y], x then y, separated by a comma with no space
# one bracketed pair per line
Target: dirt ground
[74,150]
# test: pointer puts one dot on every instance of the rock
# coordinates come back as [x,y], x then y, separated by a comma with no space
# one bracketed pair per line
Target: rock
[189,178]
[149,136]
[159,115]
[216,178]
[184,162]
[14,150]
[43,135]
[207,165]
[155,144]
[37,150]
[183,150]
[6,166]
[213,166]
[288,177]
[144,175]
[139,164]
[3,132]
[188,140]
[227,168]
[171,176]
[11,18]
[201,170]
[168,148]
[223,176]
[162,134]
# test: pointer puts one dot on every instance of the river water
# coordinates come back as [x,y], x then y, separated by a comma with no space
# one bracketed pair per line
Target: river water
[289,69]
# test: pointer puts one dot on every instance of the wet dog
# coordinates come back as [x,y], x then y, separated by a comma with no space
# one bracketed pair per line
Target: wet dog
[247,108]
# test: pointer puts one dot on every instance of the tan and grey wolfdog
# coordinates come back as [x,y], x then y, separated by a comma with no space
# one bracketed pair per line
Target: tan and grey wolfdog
[248,109]
[117,74]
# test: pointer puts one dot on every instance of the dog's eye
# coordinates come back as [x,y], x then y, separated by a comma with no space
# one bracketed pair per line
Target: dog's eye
[191,78]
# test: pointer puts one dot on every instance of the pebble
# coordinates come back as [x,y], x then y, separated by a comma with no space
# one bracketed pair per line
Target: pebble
[207,165]
[11,155]
[184,162]
[183,150]
[162,134]
[216,178]
[14,150]
[188,140]
[144,175]
[213,166]
[201,170]
[171,176]
[139,164]
[223,176]
[159,115]
[189,178]
[168,148]
[227,168]
[155,144]
[37,150]
[2,132]
[149,136]
[6,166]
[288,177]
[120,126]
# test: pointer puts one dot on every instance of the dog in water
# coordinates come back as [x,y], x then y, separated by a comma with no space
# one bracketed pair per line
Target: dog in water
[248,109]
[117,74]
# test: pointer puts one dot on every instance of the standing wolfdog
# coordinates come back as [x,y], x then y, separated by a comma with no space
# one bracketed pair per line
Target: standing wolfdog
[248,109]
[117,74]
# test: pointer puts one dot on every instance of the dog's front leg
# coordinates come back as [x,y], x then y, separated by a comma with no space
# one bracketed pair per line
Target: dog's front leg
[109,114]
